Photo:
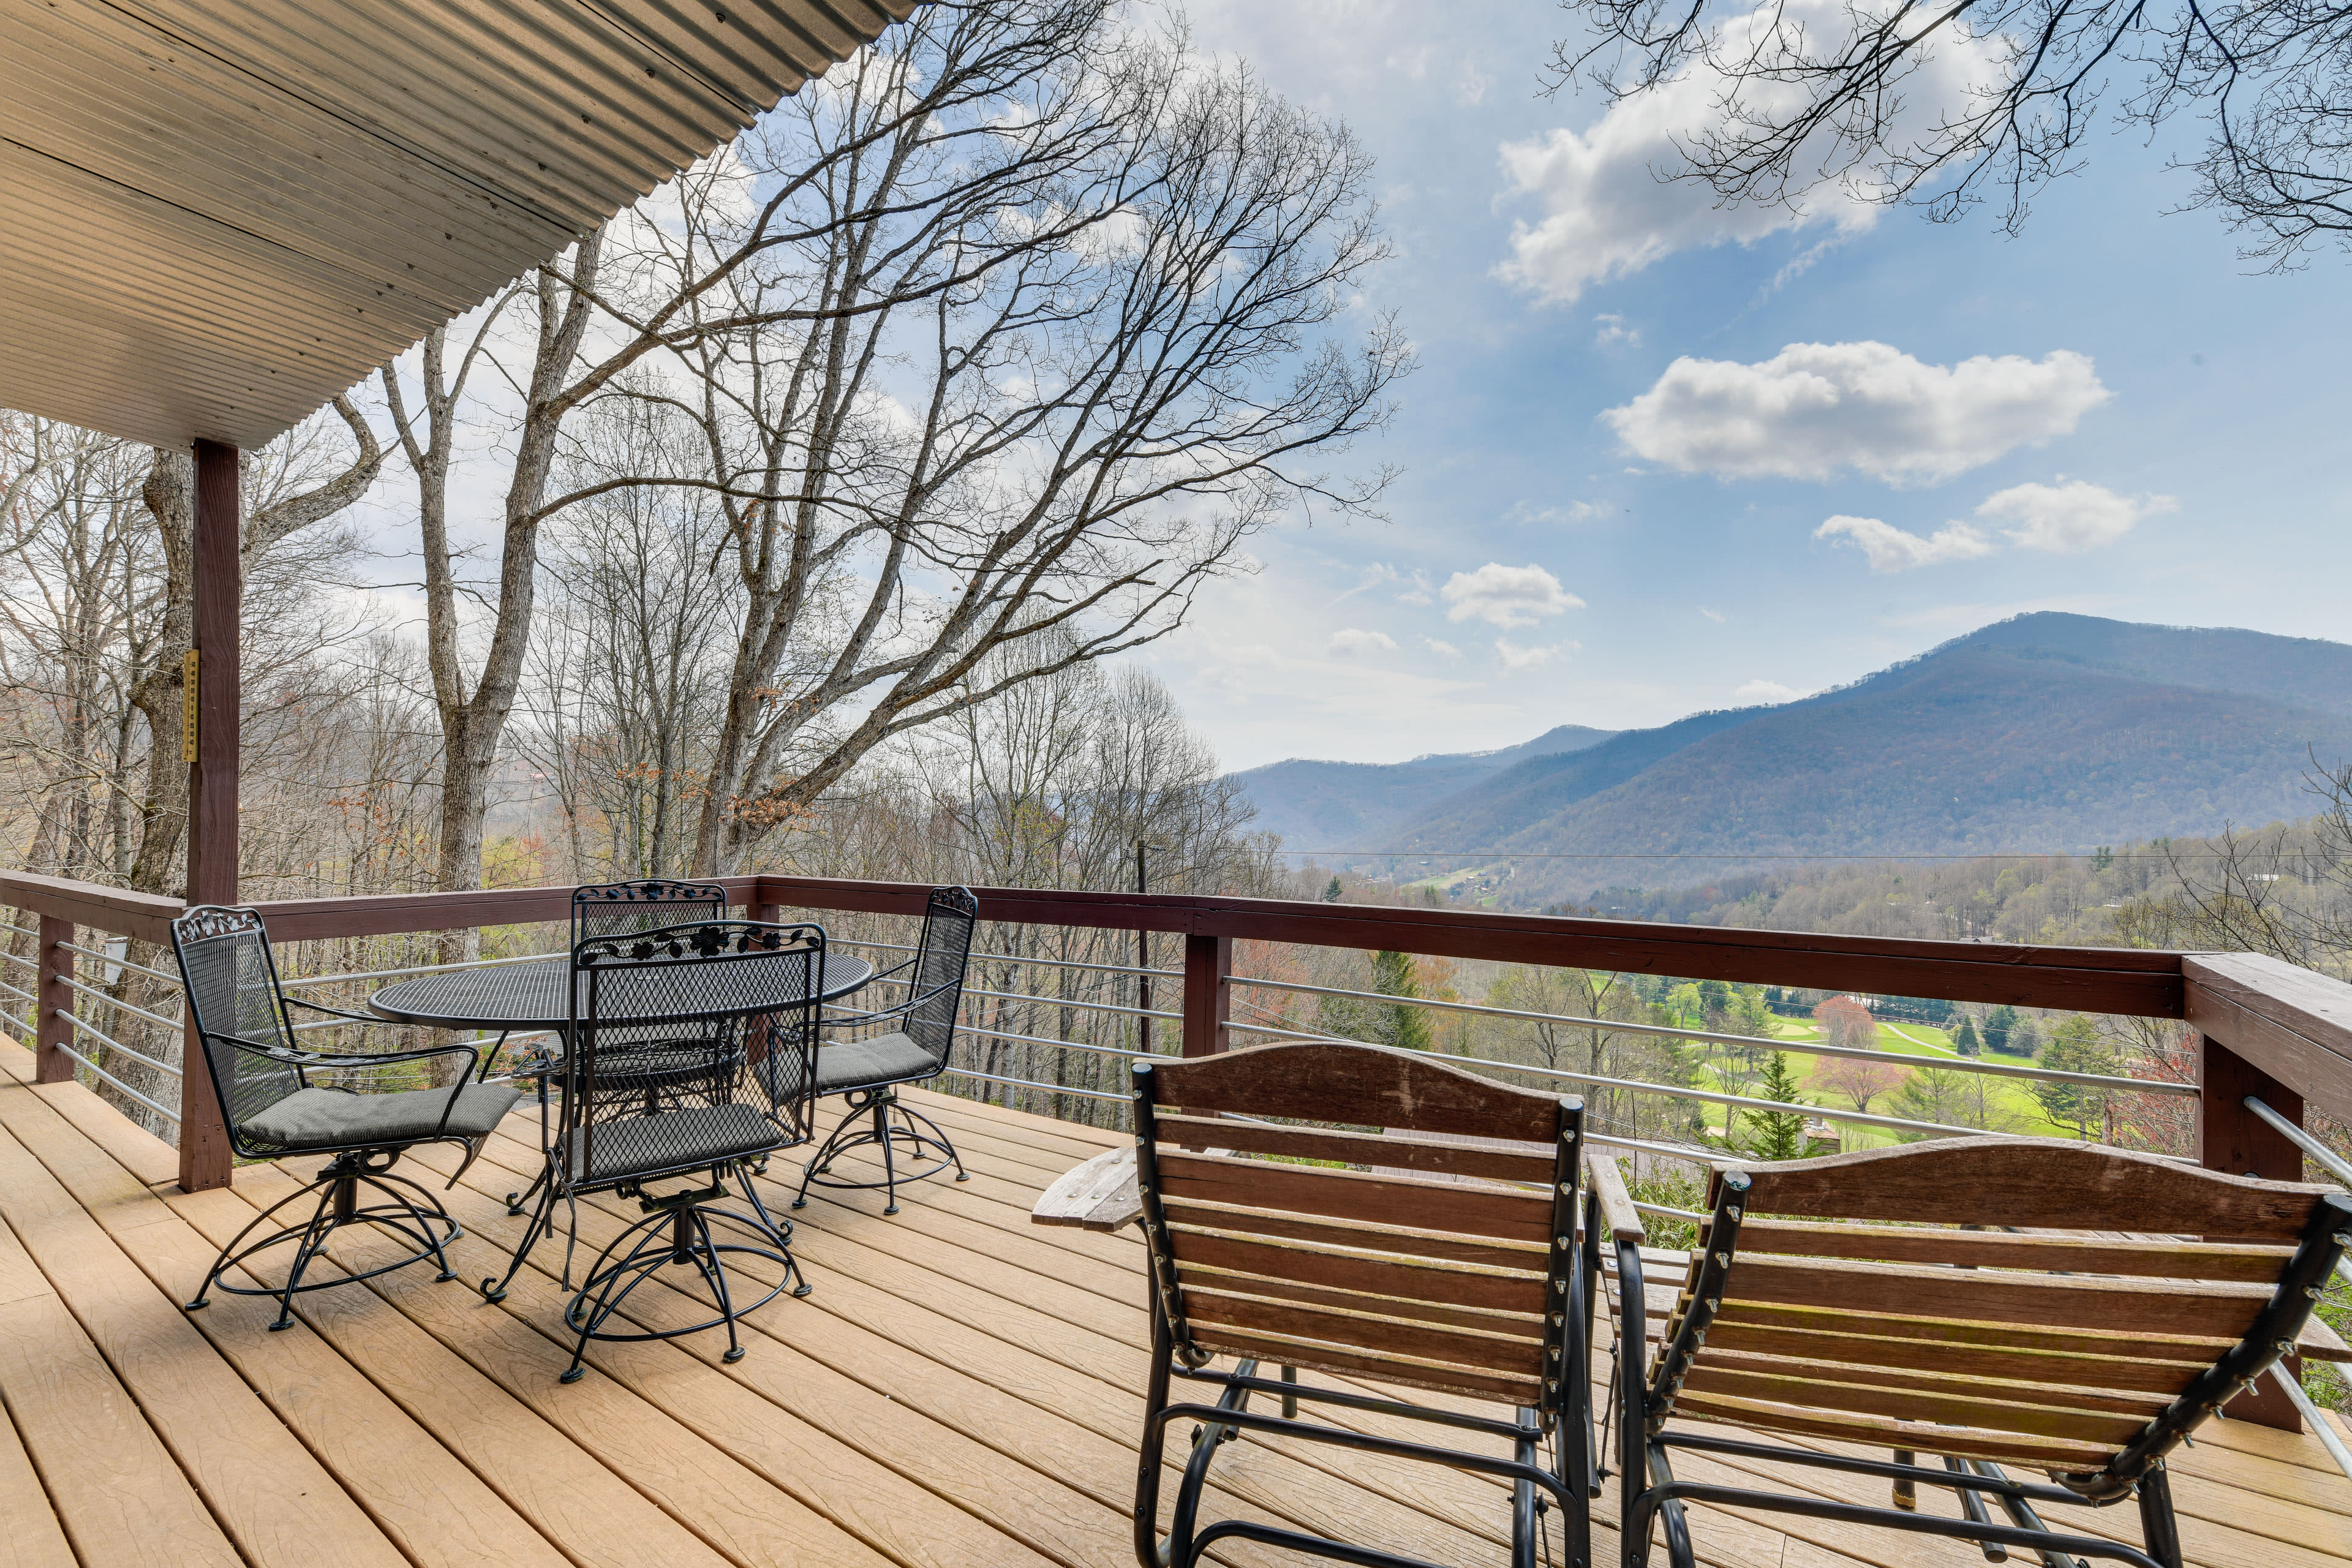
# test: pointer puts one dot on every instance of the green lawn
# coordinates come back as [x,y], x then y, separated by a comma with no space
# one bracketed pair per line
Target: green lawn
[2015,1096]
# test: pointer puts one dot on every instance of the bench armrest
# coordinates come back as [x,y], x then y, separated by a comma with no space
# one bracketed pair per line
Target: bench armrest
[1617,1210]
[1097,1195]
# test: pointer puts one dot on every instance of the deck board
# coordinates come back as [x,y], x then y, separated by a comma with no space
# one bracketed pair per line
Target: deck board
[963,1390]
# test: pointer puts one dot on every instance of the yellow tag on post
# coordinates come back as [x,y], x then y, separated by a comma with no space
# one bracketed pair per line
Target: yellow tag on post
[188,708]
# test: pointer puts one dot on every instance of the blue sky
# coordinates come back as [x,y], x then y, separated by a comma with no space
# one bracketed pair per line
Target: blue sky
[1617,470]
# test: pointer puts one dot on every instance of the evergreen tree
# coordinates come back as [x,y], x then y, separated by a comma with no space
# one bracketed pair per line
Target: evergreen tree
[1331,893]
[2075,1046]
[1997,1024]
[1777,1134]
[1930,1094]
[1964,1040]
[1406,1026]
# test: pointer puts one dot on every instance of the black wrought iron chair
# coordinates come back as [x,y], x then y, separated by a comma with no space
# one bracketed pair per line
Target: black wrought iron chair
[868,1072]
[263,1077]
[1983,1302]
[705,999]
[610,909]
[1449,1265]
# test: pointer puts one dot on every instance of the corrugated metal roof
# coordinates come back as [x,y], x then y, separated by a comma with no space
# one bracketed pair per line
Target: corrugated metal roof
[215,214]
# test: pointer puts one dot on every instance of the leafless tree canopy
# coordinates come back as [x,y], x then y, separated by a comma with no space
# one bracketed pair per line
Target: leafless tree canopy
[1011,329]
[1818,93]
[2284,891]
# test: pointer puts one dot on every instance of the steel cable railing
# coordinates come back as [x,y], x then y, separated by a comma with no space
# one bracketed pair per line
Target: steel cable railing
[1809,1047]
[82,1027]
[2335,1166]
[991,1012]
[117,960]
[119,1004]
[1015,958]
[1707,1096]
[1049,1001]
[85,1027]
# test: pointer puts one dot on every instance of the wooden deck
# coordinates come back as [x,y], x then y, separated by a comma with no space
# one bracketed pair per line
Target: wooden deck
[961,1391]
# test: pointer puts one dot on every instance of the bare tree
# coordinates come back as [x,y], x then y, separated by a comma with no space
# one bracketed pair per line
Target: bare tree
[1859,1081]
[1057,338]
[629,659]
[2284,891]
[78,588]
[286,491]
[1812,94]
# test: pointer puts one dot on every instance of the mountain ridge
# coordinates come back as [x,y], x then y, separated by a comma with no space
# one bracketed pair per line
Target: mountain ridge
[2043,731]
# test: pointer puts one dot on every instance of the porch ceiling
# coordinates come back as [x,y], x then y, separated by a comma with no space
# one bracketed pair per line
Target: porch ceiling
[219,213]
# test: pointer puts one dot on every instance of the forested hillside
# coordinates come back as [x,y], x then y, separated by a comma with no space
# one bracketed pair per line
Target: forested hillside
[2042,733]
[1346,806]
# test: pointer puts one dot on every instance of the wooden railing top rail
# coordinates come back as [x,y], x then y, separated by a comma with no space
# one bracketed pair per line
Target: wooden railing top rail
[142,916]
[2084,979]
[2096,980]
[2294,1025]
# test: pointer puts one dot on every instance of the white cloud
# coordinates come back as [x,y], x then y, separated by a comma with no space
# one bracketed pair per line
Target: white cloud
[1572,511]
[1815,409]
[1350,641]
[1369,577]
[1609,201]
[1516,658]
[1443,649]
[2062,519]
[1765,692]
[1614,333]
[1717,616]
[1892,550]
[1505,596]
[2069,516]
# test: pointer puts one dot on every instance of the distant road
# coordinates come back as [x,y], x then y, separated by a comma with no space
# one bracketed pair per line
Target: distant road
[1929,1045]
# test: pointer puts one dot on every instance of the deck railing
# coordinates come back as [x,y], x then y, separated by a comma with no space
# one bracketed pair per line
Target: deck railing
[2270,1038]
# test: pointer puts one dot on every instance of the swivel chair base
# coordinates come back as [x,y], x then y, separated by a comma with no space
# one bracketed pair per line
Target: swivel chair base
[419,1224]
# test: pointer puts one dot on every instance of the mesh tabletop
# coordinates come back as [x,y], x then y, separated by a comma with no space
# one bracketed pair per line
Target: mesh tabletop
[530,995]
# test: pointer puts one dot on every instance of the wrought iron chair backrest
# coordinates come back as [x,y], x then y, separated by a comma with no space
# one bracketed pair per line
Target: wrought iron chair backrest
[936,978]
[231,978]
[1446,1265]
[663,1021]
[619,908]
[1980,1286]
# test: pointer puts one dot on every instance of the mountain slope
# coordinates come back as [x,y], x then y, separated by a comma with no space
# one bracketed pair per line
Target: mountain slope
[1352,805]
[2304,671]
[2045,733]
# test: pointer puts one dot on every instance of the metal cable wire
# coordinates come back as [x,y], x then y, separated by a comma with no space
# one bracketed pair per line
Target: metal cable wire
[165,1112]
[116,1001]
[84,1027]
[1955,1064]
[116,961]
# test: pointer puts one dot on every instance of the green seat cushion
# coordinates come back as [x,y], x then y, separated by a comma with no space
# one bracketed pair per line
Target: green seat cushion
[670,1141]
[851,1064]
[323,1117]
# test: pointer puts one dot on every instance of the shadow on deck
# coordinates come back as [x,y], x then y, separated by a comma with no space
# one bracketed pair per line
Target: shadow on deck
[962,1388]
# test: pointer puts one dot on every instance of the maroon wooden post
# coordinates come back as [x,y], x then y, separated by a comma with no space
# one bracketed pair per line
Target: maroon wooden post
[1208,998]
[51,997]
[2232,1138]
[204,1153]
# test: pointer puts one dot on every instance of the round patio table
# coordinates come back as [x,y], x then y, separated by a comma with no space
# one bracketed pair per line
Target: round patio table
[526,998]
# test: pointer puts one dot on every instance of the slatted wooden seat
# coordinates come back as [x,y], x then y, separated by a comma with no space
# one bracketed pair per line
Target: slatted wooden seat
[1970,1298]
[1293,1216]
